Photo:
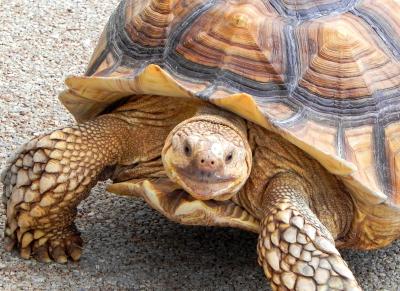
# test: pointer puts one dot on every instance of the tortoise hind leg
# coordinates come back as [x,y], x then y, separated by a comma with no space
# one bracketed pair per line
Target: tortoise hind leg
[48,178]
[295,249]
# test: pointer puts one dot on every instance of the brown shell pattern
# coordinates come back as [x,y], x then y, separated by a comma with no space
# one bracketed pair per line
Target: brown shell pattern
[325,74]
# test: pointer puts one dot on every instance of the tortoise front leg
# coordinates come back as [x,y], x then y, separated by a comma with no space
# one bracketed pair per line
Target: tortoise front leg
[295,249]
[49,177]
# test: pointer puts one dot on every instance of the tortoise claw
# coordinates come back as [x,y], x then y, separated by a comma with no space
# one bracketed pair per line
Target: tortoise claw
[25,253]
[41,254]
[74,250]
[58,255]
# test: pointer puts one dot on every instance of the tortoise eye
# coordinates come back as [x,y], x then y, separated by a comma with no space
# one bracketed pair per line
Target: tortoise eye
[187,149]
[229,157]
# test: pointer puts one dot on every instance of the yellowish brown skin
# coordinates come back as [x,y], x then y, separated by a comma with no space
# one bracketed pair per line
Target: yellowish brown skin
[208,155]
[196,165]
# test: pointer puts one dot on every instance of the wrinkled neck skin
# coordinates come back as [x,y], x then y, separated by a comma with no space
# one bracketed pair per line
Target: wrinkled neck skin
[150,120]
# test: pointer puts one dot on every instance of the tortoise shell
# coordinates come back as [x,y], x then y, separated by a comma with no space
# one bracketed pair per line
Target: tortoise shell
[324,74]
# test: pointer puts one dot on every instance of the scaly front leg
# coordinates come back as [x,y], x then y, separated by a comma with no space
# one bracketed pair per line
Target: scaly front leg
[49,177]
[295,249]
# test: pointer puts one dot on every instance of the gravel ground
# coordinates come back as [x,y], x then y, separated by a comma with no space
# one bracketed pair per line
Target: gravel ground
[127,245]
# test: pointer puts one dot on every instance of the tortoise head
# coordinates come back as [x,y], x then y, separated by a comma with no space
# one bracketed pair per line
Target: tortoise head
[208,155]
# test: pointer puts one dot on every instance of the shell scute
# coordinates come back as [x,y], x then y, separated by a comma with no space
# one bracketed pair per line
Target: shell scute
[245,38]
[359,149]
[342,58]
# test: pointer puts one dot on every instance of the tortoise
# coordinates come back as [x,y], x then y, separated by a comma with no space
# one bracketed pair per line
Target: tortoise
[275,117]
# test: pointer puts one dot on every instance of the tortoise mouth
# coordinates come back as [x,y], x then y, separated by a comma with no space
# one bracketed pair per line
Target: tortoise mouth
[203,177]
[206,186]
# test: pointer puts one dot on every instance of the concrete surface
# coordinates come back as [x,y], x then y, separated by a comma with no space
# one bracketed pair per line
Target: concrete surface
[127,245]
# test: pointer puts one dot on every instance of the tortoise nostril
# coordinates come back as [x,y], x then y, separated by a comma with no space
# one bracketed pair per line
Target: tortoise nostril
[207,162]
